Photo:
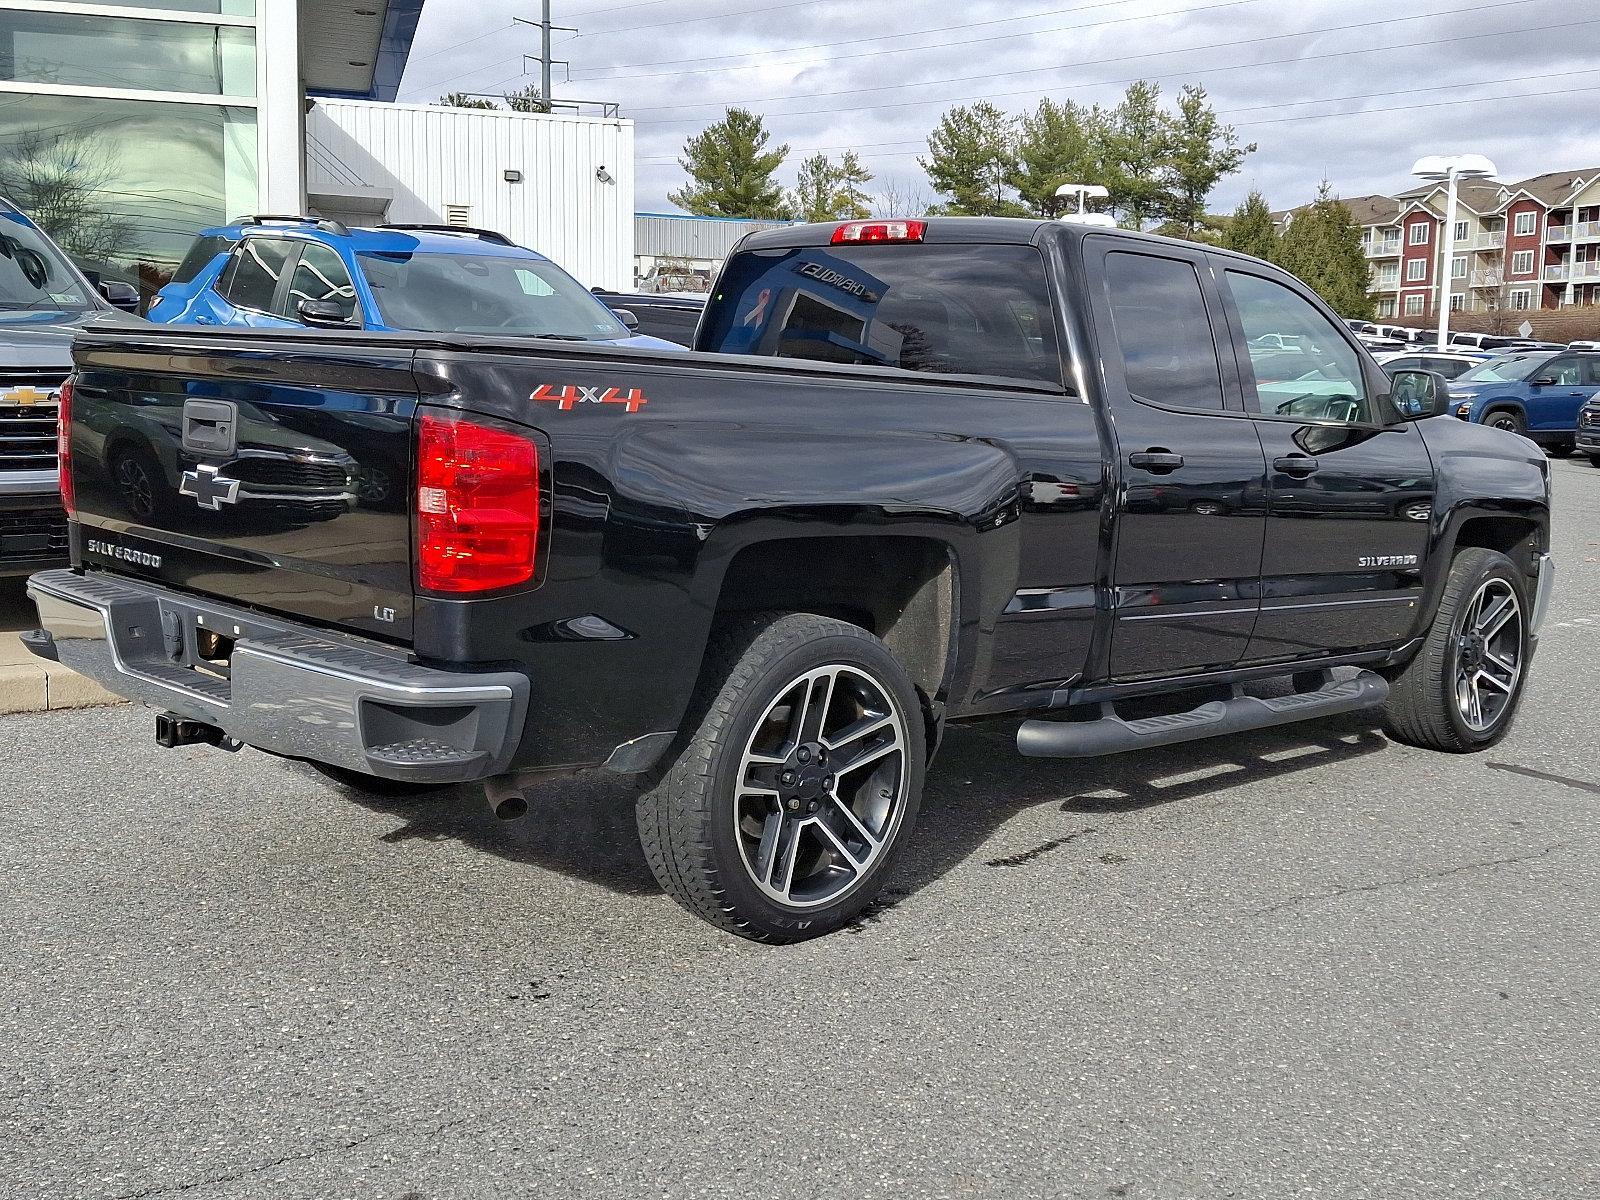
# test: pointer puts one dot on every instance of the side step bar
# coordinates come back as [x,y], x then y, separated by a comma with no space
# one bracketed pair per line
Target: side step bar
[1110,734]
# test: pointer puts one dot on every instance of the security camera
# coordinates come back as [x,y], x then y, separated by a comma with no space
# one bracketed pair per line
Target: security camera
[604,176]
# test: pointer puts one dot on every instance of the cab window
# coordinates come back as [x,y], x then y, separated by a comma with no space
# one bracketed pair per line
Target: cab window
[320,275]
[937,309]
[1315,374]
[251,280]
[1169,355]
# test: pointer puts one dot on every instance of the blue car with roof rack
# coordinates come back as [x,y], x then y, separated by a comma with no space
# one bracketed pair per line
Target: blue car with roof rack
[289,272]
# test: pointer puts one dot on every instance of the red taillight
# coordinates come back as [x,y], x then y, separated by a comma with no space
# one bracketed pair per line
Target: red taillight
[64,447]
[879,231]
[477,507]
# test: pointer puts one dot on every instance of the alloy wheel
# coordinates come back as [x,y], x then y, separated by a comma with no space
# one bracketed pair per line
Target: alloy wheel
[1489,655]
[822,786]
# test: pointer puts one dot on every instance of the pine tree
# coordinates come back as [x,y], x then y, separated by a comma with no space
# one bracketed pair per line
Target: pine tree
[1057,143]
[971,155]
[1323,247]
[1200,152]
[528,100]
[1138,149]
[827,191]
[1252,230]
[732,171]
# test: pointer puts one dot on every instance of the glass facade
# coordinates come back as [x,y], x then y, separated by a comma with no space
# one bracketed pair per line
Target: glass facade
[123,182]
[119,52]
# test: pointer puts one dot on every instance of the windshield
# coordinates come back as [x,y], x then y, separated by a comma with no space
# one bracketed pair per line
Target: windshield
[493,294]
[34,277]
[1510,369]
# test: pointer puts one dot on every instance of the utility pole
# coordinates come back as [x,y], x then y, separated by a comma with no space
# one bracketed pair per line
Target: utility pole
[546,28]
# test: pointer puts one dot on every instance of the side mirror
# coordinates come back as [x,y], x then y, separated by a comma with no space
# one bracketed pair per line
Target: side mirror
[1420,394]
[324,314]
[1545,381]
[629,321]
[120,295]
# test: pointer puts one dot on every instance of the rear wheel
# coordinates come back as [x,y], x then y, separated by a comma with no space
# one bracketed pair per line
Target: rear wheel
[1594,460]
[1507,419]
[787,805]
[1460,692]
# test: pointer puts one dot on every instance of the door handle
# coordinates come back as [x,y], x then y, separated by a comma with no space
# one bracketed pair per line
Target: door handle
[1157,462]
[1298,465]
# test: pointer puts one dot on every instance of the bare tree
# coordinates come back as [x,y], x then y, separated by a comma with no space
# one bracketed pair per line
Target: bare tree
[899,199]
[64,182]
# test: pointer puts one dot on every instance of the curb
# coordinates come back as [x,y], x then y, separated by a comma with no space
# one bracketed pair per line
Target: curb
[38,687]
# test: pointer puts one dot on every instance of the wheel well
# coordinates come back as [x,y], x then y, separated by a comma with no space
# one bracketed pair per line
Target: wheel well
[1515,537]
[900,588]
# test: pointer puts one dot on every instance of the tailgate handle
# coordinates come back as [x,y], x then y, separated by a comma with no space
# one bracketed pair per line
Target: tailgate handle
[210,427]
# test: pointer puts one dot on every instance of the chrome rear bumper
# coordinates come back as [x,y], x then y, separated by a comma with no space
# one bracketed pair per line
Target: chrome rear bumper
[287,689]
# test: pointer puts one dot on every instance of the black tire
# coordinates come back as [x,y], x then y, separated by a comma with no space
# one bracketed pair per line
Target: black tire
[1506,418]
[707,837]
[1424,708]
[1594,460]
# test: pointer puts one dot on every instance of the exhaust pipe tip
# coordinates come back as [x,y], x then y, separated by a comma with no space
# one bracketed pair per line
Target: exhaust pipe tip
[506,800]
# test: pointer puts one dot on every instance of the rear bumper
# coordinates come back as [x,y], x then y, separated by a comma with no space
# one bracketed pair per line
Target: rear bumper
[289,689]
[1588,439]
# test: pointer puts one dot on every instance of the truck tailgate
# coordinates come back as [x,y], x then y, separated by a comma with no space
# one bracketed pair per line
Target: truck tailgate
[267,471]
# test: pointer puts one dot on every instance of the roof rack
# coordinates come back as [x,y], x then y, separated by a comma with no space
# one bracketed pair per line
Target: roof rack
[487,235]
[336,228]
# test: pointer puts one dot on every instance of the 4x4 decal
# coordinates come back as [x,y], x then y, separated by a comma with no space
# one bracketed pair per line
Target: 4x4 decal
[568,396]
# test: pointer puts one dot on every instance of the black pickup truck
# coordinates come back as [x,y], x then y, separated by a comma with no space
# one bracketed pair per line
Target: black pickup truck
[1134,490]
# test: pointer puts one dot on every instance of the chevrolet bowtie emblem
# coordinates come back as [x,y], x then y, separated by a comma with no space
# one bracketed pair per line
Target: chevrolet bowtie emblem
[26,396]
[209,489]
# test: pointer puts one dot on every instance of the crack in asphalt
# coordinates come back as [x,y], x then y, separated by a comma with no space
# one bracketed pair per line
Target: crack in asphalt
[303,1156]
[1341,892]
[1512,769]
[1027,856]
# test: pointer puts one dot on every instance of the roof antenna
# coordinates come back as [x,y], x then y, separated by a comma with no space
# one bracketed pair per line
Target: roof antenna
[1084,192]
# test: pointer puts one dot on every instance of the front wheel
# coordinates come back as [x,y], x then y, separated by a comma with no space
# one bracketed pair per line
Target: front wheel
[1505,418]
[1460,692]
[785,808]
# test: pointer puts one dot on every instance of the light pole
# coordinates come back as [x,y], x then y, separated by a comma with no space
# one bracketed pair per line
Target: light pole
[1453,168]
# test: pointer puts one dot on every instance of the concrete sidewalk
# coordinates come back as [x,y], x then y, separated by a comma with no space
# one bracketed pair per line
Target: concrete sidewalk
[29,684]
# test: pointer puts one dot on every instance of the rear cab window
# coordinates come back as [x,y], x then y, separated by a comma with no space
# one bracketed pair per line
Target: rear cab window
[943,309]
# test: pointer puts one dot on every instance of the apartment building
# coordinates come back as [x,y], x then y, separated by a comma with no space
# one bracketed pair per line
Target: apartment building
[1533,243]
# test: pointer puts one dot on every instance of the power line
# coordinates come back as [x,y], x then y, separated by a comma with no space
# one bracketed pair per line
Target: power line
[743,12]
[1250,41]
[965,25]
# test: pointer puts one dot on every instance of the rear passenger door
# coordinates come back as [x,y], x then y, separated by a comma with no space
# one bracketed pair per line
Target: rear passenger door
[1553,407]
[1351,486]
[319,275]
[253,280]
[1191,479]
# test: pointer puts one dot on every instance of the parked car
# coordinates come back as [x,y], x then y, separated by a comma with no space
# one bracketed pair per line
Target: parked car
[672,318]
[987,467]
[1497,342]
[1449,363]
[270,272]
[1378,345]
[1587,438]
[1536,394]
[44,300]
[1583,345]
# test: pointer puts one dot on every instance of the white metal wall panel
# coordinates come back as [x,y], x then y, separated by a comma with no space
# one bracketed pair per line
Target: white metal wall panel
[428,158]
[662,235]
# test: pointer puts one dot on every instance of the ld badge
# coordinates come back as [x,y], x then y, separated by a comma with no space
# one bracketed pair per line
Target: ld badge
[209,489]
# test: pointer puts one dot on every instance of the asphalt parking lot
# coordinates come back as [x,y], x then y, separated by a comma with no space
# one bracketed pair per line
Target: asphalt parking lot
[1301,963]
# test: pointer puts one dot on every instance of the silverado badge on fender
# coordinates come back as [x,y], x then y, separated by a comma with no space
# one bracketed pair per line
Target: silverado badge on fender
[569,396]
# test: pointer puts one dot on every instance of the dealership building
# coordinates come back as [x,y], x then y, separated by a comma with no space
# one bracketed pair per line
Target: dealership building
[125,127]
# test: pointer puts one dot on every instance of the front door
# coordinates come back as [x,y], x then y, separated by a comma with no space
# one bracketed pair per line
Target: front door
[1350,485]
[1191,498]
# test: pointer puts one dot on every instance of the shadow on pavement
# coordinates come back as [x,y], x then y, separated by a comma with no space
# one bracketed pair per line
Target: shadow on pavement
[584,827]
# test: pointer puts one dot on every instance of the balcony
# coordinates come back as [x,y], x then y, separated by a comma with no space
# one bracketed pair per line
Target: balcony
[1382,249]
[1562,272]
[1583,231]
[1487,241]
[1486,279]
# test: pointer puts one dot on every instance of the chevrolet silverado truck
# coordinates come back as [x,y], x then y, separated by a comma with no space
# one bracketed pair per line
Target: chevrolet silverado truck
[914,473]
[44,300]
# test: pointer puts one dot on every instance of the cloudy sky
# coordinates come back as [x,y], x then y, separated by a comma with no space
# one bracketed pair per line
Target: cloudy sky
[1348,90]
